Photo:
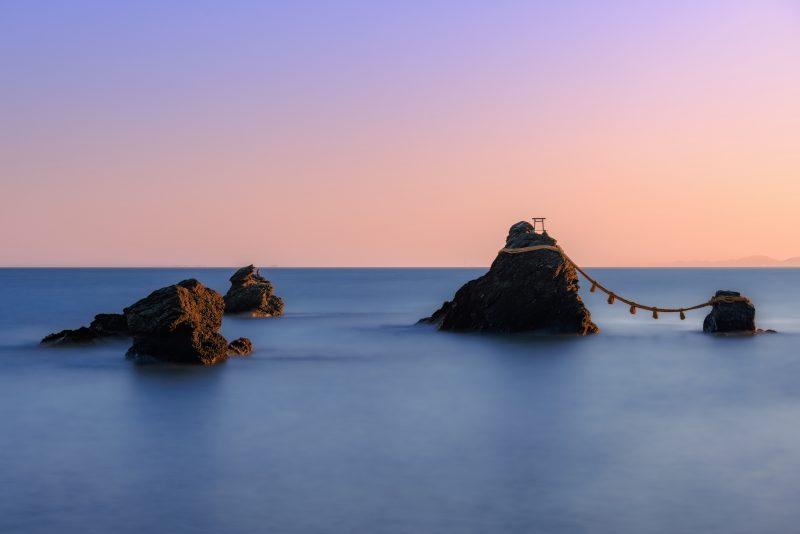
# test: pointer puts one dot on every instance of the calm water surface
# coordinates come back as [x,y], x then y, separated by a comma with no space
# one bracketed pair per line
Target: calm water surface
[347,418]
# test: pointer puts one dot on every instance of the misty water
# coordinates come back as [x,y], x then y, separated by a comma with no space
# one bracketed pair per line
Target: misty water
[349,418]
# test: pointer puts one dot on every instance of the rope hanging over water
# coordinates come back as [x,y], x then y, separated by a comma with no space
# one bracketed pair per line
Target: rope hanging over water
[613,297]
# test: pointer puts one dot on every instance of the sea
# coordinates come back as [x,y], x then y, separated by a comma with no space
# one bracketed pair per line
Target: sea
[350,418]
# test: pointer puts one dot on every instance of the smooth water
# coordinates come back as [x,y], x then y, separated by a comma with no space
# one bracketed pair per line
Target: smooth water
[347,418]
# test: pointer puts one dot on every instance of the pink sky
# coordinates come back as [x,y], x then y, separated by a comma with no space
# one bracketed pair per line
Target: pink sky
[398,136]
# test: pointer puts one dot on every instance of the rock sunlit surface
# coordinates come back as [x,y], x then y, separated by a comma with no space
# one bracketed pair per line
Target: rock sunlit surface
[252,294]
[240,347]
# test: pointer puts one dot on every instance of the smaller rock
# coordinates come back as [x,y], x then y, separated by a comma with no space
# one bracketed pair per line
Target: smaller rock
[80,336]
[104,325]
[251,293]
[240,347]
[730,317]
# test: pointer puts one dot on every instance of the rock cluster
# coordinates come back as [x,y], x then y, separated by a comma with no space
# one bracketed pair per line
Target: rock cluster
[252,294]
[531,291]
[178,323]
[730,317]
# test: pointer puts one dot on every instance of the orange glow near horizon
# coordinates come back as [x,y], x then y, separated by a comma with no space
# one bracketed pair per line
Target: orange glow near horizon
[645,136]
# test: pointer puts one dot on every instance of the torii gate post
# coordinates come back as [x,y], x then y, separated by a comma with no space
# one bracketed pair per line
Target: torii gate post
[539,220]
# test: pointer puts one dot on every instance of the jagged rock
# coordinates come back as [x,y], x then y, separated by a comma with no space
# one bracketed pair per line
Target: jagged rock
[80,336]
[252,293]
[240,347]
[531,291]
[179,323]
[730,317]
[104,325]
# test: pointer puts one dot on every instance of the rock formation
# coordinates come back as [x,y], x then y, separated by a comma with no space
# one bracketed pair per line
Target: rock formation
[240,347]
[104,325]
[251,293]
[730,317]
[79,336]
[179,323]
[530,291]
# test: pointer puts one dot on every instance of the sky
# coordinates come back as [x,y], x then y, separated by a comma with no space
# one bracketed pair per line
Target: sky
[408,133]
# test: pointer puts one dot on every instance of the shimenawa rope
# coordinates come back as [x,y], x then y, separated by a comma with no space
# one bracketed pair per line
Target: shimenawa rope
[612,297]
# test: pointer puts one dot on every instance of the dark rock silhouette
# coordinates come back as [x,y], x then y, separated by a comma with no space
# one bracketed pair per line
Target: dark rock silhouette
[531,291]
[79,336]
[103,325]
[110,324]
[179,323]
[251,293]
[730,317]
[240,347]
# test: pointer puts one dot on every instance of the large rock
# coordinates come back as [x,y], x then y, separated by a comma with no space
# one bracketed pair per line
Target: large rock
[179,323]
[103,325]
[737,317]
[252,294]
[530,291]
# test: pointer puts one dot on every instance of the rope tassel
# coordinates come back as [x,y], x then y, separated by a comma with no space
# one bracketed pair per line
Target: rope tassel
[611,298]
[633,310]
[683,315]
[594,288]
[655,314]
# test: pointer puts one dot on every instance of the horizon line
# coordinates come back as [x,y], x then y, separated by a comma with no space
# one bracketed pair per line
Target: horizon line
[706,267]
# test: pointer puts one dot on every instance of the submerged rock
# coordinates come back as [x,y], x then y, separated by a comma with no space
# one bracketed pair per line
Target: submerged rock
[79,336]
[252,293]
[530,291]
[736,317]
[103,325]
[179,323]
[240,347]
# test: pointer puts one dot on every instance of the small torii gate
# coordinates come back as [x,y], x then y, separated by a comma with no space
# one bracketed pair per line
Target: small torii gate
[539,220]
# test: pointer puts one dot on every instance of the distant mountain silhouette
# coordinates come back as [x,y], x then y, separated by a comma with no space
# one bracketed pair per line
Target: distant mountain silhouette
[747,261]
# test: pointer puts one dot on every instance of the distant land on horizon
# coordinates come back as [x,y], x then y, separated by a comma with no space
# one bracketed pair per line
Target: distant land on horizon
[747,261]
